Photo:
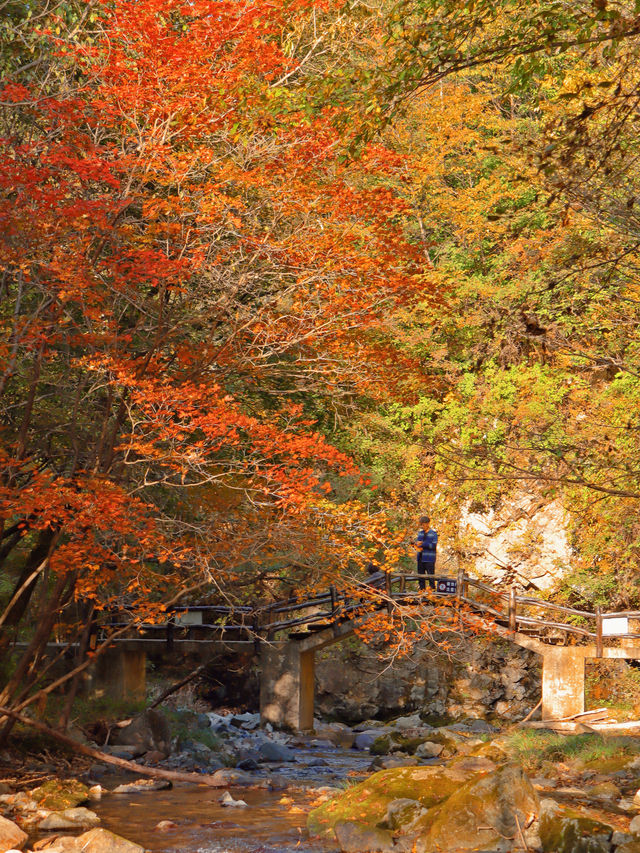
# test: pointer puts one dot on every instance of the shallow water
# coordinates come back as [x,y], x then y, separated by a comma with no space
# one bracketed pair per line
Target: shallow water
[204,826]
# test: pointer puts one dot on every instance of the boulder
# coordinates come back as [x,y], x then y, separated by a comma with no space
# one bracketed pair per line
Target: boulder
[381,745]
[564,830]
[11,836]
[103,841]
[355,837]
[78,818]
[480,814]
[634,826]
[147,732]
[270,751]
[365,740]
[629,847]
[57,794]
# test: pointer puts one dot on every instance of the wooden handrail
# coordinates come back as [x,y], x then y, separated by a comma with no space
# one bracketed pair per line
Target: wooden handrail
[339,605]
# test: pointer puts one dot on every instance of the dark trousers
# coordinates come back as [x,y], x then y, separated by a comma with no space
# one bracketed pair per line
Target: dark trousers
[426,567]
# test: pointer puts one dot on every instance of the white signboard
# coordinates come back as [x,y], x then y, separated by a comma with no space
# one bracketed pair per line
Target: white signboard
[615,625]
[190,617]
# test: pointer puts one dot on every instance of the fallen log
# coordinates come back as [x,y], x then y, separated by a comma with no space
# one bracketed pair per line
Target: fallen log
[122,763]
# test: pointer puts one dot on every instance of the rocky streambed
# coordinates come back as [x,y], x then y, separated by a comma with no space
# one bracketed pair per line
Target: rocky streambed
[391,788]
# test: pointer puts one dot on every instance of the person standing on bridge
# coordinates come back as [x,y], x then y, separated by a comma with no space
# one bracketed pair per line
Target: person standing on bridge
[426,544]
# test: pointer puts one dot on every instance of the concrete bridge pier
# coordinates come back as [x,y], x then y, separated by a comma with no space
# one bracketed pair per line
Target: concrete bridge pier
[562,681]
[120,673]
[287,677]
[287,685]
[563,672]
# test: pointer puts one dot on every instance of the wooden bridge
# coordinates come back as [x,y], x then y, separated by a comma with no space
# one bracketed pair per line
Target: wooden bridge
[287,634]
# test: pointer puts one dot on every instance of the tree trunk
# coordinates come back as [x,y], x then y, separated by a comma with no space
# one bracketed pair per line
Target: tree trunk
[25,587]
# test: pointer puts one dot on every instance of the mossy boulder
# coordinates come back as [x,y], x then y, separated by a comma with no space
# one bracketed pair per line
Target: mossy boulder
[368,801]
[381,745]
[403,815]
[564,830]
[56,795]
[481,813]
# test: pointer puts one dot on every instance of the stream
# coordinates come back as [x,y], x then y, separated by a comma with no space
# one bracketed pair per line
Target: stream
[273,822]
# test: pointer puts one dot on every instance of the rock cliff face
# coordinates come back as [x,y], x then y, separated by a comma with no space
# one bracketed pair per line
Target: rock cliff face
[487,678]
[525,541]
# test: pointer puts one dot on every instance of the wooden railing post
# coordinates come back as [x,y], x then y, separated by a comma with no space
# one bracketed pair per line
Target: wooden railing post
[512,609]
[598,632]
[170,626]
[334,599]
[387,590]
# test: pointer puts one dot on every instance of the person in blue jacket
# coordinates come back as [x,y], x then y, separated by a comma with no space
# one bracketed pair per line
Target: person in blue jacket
[426,544]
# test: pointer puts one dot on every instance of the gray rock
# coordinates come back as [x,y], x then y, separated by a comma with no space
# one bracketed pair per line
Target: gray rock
[142,785]
[403,814]
[407,722]
[354,837]
[227,800]
[634,825]
[387,762]
[270,751]
[620,838]
[228,777]
[365,740]
[11,836]
[97,771]
[102,841]
[148,731]
[480,727]
[77,818]
[247,764]
[203,721]
[428,749]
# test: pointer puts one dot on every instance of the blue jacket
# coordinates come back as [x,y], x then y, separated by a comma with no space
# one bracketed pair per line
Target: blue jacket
[429,541]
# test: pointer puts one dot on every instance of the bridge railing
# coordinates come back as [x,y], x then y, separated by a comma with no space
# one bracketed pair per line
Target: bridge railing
[519,613]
